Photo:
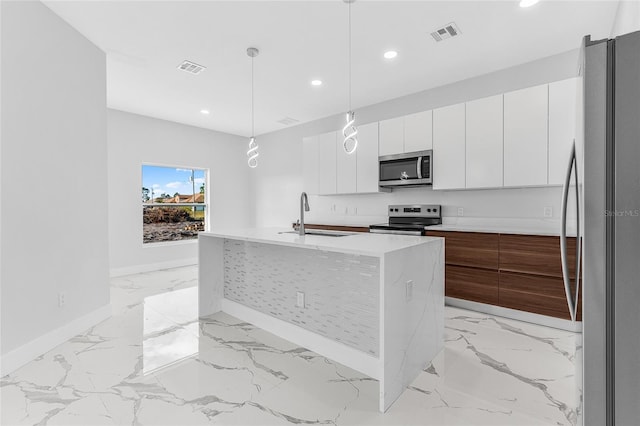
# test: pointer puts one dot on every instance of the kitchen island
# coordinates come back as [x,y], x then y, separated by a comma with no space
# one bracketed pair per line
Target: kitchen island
[372,302]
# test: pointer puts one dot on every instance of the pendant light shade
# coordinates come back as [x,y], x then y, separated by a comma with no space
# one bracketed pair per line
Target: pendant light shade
[350,131]
[252,153]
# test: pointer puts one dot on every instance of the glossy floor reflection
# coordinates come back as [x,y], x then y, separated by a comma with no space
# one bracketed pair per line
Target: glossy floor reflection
[154,363]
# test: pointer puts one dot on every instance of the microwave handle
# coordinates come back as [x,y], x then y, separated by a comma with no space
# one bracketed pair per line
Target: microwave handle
[419,167]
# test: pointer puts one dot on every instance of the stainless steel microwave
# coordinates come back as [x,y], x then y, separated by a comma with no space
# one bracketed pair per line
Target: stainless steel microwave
[409,169]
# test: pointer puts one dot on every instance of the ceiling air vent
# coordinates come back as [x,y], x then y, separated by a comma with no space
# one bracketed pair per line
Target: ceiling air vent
[448,31]
[287,121]
[191,67]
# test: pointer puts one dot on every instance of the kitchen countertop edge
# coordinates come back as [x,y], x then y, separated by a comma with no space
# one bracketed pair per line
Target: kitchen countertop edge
[362,243]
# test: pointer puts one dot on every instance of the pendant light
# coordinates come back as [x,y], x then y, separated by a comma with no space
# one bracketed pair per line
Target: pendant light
[349,131]
[252,153]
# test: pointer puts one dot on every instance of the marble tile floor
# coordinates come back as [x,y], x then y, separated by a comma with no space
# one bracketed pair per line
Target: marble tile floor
[154,363]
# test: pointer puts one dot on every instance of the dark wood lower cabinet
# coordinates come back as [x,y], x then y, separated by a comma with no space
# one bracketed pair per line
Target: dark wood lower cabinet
[534,293]
[475,249]
[520,272]
[473,284]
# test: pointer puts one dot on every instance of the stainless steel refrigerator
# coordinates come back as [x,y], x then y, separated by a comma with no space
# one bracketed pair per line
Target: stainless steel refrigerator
[607,169]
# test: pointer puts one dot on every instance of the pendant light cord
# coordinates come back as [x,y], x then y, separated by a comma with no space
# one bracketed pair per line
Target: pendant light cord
[252,102]
[349,56]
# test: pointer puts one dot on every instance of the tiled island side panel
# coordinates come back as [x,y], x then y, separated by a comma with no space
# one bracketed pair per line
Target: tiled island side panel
[342,291]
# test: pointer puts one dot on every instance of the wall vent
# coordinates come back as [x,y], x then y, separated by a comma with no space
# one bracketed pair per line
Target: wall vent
[448,31]
[191,67]
[287,121]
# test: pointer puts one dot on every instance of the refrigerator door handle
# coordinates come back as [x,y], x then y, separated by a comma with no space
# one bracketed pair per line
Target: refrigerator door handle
[578,236]
[571,303]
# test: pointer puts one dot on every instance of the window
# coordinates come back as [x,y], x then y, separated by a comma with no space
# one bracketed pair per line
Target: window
[174,203]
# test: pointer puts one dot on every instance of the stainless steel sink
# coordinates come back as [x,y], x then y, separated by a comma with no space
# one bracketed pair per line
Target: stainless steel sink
[322,232]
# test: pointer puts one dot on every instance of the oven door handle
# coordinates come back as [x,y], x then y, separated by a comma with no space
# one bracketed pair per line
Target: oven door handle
[419,168]
[394,232]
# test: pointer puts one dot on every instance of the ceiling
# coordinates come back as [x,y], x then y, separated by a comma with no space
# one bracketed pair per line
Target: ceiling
[300,41]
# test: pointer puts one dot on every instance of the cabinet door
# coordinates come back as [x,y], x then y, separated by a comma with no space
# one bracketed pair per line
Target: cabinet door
[535,254]
[562,127]
[346,166]
[392,136]
[367,158]
[473,249]
[484,143]
[418,130]
[310,164]
[525,137]
[449,147]
[538,294]
[327,163]
[477,285]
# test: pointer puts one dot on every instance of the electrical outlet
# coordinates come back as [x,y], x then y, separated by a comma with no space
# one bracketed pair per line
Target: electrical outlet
[300,299]
[60,300]
[548,211]
[460,211]
[409,290]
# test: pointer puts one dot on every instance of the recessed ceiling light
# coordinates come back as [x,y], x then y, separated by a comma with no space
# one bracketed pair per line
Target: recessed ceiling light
[316,82]
[390,54]
[204,111]
[528,3]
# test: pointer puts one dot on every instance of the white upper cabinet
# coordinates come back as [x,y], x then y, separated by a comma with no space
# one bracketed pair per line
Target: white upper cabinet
[329,170]
[367,158]
[392,136]
[525,136]
[484,143]
[418,131]
[310,164]
[408,133]
[327,163]
[449,147]
[346,167]
[562,127]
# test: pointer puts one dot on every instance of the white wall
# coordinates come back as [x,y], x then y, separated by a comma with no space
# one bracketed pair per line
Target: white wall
[278,181]
[627,18]
[54,163]
[136,139]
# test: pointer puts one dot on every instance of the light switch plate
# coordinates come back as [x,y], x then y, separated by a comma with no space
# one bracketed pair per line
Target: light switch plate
[548,211]
[460,211]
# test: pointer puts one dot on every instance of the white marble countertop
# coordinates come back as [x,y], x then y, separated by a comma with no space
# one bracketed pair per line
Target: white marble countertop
[355,243]
[503,226]
[528,226]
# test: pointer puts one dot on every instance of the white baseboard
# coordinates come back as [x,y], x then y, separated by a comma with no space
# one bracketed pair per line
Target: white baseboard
[352,358]
[562,324]
[150,267]
[20,356]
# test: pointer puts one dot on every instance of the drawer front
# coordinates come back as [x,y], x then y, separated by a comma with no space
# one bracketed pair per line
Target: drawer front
[473,284]
[474,249]
[534,254]
[537,294]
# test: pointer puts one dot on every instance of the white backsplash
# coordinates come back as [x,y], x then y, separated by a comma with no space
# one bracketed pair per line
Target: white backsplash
[509,208]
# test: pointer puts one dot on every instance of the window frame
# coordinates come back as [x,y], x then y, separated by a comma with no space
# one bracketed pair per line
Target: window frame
[206,204]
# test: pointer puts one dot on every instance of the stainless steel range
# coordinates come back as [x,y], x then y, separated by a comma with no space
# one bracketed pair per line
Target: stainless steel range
[409,219]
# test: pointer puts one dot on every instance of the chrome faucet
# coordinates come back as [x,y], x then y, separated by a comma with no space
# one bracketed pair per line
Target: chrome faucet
[304,207]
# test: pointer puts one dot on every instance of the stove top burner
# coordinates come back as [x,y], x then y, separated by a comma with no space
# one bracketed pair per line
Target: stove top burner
[409,219]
